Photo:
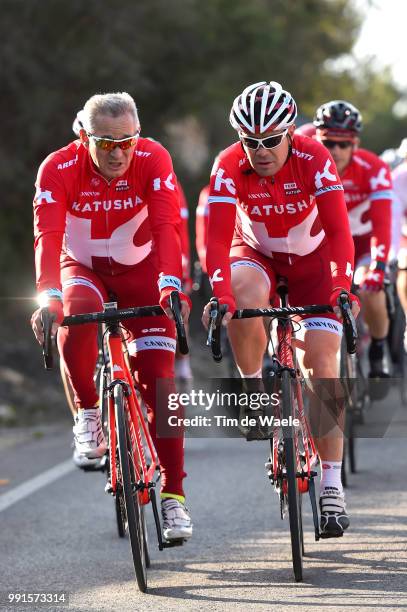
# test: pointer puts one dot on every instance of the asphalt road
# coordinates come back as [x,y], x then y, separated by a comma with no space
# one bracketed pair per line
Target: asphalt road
[58,532]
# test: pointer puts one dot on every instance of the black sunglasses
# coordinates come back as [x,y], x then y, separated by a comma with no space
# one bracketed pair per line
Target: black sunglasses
[342,144]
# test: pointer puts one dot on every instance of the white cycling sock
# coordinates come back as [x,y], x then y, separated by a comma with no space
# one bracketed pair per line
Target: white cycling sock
[183,367]
[331,475]
[254,375]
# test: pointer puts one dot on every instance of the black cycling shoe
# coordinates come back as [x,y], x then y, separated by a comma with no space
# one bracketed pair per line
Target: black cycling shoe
[377,368]
[251,426]
[334,519]
[379,385]
[257,431]
[251,419]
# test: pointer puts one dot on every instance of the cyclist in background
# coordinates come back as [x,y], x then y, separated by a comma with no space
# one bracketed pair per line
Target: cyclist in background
[276,206]
[182,362]
[306,129]
[368,194]
[106,220]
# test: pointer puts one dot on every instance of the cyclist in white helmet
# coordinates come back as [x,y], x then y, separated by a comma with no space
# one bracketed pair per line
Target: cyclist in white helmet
[276,207]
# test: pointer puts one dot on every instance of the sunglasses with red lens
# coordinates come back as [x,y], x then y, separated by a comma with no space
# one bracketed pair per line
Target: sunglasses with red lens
[108,144]
[342,144]
[268,143]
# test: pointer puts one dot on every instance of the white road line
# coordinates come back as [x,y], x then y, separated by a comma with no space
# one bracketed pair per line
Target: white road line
[35,484]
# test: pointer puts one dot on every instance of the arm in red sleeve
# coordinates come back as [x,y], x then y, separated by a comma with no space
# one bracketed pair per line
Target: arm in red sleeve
[222,203]
[49,225]
[221,226]
[380,215]
[335,222]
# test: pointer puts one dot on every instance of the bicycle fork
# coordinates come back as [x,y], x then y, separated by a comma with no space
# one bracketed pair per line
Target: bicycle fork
[275,465]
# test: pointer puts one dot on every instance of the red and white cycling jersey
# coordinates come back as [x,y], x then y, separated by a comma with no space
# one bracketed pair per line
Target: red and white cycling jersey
[285,217]
[368,195]
[108,226]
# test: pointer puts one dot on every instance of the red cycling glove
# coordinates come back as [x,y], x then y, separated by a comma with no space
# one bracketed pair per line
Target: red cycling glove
[56,309]
[229,301]
[333,300]
[165,297]
[373,281]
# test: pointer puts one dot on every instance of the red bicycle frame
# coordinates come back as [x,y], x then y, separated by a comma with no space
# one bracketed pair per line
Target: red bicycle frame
[310,455]
[120,374]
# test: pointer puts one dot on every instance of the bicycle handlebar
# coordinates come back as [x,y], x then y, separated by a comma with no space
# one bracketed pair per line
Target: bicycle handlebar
[110,316]
[216,313]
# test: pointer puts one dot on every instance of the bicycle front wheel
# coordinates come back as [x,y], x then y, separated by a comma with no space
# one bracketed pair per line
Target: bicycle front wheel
[290,452]
[127,472]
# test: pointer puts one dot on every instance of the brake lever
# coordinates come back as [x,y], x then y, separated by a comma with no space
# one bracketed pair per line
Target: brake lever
[46,322]
[349,323]
[175,305]
[213,315]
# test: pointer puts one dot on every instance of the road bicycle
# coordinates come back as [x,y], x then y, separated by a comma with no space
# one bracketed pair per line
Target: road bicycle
[360,390]
[357,399]
[131,462]
[395,337]
[291,466]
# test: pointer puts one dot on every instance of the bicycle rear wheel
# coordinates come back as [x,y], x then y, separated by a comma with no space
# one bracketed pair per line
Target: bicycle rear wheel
[294,510]
[133,510]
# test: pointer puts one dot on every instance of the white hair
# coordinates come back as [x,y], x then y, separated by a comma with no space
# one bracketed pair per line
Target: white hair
[112,104]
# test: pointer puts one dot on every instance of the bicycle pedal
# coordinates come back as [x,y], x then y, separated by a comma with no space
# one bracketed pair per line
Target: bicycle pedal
[258,433]
[269,471]
[176,542]
[327,536]
[109,488]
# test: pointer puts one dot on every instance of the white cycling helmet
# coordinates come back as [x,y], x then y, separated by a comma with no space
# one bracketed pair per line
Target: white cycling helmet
[261,107]
[78,123]
[402,150]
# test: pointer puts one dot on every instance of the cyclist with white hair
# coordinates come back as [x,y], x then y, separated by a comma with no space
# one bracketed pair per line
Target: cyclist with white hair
[276,207]
[106,221]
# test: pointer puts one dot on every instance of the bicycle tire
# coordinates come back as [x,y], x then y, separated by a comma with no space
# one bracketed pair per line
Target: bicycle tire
[352,391]
[133,512]
[344,476]
[395,337]
[352,454]
[301,526]
[349,445]
[294,512]
[120,515]
[102,380]
[145,537]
